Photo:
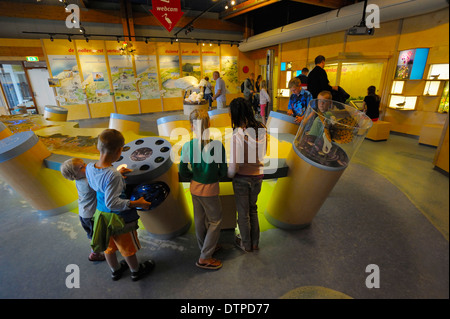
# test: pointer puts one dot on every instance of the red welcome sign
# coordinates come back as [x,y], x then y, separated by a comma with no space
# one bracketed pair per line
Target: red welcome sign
[168,12]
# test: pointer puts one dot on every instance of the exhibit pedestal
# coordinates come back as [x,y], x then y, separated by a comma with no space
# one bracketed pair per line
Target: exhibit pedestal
[124,123]
[327,138]
[168,123]
[171,218]
[150,162]
[21,166]
[220,117]
[298,197]
[55,113]
[282,122]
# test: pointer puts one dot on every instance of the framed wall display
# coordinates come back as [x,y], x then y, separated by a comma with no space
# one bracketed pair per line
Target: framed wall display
[438,72]
[411,64]
[147,72]
[431,88]
[403,103]
[397,87]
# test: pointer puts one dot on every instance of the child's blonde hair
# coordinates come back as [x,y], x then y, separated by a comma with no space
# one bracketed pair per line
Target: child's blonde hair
[109,141]
[200,117]
[263,84]
[326,94]
[70,168]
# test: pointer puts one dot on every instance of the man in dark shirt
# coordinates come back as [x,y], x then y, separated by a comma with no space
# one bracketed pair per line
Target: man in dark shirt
[303,77]
[318,78]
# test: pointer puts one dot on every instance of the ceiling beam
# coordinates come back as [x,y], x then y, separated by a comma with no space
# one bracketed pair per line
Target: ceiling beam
[49,12]
[245,7]
[332,4]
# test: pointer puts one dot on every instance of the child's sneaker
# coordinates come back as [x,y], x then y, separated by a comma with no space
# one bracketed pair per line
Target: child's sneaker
[96,257]
[144,269]
[116,275]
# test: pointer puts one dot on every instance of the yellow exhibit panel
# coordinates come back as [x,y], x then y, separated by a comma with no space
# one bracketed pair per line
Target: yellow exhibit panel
[21,166]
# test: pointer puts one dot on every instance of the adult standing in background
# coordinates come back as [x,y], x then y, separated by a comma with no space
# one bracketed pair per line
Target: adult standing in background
[249,87]
[207,94]
[318,78]
[304,78]
[219,91]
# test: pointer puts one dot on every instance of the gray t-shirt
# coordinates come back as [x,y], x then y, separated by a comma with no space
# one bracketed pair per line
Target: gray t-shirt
[220,85]
[87,198]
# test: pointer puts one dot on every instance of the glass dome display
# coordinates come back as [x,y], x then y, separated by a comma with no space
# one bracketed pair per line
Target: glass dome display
[330,133]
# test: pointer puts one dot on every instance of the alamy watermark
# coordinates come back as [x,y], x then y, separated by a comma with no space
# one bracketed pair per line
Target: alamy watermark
[73,19]
[73,279]
[373,280]
[373,17]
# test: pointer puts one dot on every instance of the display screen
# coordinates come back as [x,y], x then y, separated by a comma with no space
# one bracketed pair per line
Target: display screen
[411,64]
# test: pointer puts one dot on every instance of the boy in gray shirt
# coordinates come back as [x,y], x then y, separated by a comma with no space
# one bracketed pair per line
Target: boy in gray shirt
[75,169]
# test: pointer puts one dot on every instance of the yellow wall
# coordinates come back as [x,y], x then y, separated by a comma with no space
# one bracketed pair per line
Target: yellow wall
[429,30]
[17,49]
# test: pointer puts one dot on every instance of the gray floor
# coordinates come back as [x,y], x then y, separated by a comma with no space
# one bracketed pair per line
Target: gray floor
[389,209]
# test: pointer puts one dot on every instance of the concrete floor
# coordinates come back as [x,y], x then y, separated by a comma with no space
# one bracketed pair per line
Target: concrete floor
[390,208]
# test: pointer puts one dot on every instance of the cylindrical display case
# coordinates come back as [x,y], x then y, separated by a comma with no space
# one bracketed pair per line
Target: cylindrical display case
[282,122]
[123,123]
[328,137]
[168,123]
[4,131]
[55,113]
[220,117]
[21,166]
[150,160]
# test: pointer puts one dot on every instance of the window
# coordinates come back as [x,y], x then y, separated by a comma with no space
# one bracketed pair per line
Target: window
[15,86]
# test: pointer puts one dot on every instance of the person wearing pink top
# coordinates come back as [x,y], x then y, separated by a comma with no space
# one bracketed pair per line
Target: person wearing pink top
[246,167]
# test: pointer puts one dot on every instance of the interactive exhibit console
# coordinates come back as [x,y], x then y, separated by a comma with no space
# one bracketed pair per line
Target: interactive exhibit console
[308,164]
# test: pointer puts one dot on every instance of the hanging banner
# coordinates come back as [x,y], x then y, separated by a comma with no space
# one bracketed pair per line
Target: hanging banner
[168,12]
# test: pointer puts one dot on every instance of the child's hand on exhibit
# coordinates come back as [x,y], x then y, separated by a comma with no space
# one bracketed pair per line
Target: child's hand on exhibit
[123,170]
[141,202]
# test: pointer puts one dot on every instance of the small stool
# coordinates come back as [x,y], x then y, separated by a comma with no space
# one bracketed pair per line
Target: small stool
[379,131]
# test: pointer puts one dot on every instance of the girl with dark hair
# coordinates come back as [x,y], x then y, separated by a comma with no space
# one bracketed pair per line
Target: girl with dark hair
[371,104]
[246,167]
